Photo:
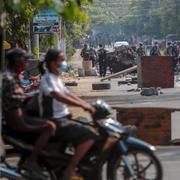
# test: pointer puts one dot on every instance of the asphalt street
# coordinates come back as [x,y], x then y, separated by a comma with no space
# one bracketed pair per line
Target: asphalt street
[170,160]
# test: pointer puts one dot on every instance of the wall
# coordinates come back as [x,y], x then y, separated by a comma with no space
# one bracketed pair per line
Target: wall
[156,71]
[154,124]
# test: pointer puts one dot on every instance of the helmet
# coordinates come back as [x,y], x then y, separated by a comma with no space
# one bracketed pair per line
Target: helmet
[102,109]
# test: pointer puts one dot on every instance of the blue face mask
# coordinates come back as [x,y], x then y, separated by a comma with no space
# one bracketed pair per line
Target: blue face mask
[64,66]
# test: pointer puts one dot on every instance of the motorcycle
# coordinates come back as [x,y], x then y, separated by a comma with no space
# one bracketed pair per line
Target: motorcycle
[10,174]
[116,154]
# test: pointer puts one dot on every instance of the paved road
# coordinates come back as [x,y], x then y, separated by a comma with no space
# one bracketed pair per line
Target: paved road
[170,158]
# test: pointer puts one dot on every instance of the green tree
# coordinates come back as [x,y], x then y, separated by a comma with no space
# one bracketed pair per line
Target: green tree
[20,14]
[146,17]
[17,24]
[170,16]
[153,17]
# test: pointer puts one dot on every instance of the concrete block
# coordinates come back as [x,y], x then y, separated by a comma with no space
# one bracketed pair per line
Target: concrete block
[149,91]
[101,86]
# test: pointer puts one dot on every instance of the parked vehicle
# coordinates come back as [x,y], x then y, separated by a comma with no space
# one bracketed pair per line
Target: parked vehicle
[120,43]
[116,155]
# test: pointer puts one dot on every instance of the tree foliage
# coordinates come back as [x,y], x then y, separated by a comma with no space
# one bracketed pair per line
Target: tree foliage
[152,17]
[17,24]
[135,17]
[20,14]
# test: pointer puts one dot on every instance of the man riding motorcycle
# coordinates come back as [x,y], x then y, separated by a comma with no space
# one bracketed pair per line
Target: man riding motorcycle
[14,113]
[55,98]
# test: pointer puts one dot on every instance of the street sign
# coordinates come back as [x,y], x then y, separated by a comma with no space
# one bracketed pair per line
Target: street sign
[46,21]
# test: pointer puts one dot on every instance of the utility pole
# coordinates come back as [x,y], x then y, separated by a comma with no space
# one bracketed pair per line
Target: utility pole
[35,44]
[1,65]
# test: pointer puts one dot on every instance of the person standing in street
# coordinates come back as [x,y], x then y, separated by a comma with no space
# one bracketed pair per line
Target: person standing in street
[84,53]
[155,51]
[141,50]
[92,55]
[175,50]
[169,49]
[102,61]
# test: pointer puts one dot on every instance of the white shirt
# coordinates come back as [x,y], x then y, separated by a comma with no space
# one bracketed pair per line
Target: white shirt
[52,83]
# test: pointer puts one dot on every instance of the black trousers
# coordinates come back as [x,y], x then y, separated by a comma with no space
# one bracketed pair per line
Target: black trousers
[102,68]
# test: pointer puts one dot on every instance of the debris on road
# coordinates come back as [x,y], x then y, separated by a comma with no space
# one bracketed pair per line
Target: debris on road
[134,90]
[101,86]
[129,80]
[152,91]
[73,83]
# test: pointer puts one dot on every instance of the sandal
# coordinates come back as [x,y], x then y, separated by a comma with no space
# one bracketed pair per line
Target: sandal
[31,173]
[72,178]
[76,178]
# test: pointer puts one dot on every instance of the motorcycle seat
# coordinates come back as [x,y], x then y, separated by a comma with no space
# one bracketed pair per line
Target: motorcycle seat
[26,140]
[29,138]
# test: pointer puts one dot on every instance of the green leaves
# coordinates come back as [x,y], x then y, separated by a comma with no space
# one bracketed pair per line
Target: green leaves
[20,14]
[138,17]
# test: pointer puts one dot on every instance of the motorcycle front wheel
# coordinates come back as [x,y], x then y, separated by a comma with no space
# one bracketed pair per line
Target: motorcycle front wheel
[145,165]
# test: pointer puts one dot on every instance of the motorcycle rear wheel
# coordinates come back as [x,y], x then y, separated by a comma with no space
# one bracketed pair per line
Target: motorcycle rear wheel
[145,165]
[14,159]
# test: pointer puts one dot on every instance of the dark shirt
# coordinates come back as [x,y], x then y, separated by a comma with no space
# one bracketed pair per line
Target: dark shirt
[92,54]
[12,92]
[85,54]
[102,55]
[175,52]
[141,51]
[169,51]
[155,51]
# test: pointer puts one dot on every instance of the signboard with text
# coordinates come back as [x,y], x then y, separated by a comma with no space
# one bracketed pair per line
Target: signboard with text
[46,21]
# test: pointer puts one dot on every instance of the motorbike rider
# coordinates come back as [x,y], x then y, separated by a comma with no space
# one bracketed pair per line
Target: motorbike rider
[55,98]
[14,113]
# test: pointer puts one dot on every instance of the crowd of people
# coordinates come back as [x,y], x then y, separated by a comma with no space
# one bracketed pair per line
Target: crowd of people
[97,57]
[172,49]
[100,56]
